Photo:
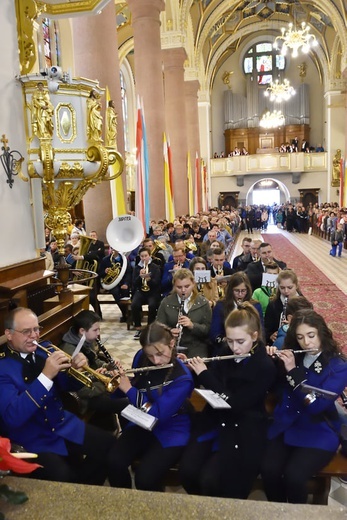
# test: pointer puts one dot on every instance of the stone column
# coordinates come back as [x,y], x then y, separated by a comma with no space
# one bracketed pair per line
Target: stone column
[192,116]
[176,123]
[96,57]
[149,87]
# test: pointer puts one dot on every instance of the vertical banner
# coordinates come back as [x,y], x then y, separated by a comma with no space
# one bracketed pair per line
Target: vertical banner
[190,186]
[142,171]
[117,190]
[204,186]
[169,201]
[342,182]
[197,185]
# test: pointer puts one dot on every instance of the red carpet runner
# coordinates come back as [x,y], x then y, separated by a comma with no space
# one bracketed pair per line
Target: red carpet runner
[326,297]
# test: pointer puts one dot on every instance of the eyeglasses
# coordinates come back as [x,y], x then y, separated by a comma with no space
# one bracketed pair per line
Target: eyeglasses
[28,332]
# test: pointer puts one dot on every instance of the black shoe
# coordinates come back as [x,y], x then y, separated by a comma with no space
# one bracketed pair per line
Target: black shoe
[137,334]
[122,319]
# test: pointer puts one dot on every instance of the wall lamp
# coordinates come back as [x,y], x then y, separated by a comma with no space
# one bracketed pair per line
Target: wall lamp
[11,161]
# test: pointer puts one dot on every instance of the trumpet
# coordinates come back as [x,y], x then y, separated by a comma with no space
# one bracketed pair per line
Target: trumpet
[186,362]
[145,286]
[220,273]
[86,376]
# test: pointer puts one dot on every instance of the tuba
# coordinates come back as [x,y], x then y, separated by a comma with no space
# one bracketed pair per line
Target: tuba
[92,265]
[123,234]
[190,246]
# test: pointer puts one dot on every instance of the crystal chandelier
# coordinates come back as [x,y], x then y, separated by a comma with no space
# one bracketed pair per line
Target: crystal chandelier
[295,38]
[280,91]
[272,119]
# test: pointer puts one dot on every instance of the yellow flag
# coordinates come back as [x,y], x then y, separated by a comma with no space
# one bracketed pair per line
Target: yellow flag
[117,192]
[190,186]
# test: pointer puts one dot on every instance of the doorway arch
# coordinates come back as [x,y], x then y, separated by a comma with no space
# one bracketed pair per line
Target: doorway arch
[268,183]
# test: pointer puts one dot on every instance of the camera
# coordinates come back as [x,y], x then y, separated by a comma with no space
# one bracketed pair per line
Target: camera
[55,72]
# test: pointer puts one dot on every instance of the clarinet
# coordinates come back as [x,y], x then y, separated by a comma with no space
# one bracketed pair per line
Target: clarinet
[111,364]
[284,312]
[181,312]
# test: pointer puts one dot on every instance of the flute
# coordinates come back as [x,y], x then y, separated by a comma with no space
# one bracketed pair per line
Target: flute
[186,361]
[308,351]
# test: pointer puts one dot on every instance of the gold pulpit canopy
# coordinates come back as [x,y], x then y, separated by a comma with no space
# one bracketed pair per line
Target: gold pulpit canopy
[66,147]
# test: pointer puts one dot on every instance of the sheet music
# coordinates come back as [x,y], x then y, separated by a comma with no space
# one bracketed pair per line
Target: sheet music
[79,346]
[139,417]
[213,399]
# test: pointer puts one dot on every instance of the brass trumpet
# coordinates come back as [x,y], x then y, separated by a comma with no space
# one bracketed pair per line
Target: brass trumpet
[145,287]
[87,375]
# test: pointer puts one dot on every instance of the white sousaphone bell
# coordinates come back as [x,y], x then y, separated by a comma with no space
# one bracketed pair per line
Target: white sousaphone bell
[124,233]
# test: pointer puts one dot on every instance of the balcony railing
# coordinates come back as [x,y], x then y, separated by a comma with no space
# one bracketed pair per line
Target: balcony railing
[269,163]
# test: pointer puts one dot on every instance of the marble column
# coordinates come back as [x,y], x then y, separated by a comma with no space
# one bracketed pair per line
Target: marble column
[176,123]
[192,116]
[145,21]
[96,57]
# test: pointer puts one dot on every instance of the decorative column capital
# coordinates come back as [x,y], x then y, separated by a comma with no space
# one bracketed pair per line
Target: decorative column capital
[174,57]
[146,9]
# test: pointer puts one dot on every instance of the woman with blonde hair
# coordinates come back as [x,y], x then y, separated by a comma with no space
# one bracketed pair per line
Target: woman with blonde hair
[187,313]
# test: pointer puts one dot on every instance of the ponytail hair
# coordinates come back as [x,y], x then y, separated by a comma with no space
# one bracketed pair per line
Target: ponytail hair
[245,315]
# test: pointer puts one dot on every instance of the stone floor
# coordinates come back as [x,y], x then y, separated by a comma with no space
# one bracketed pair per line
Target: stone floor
[120,343]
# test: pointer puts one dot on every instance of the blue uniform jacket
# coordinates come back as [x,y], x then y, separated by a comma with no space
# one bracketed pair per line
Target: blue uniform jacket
[167,390]
[304,425]
[32,416]
[217,329]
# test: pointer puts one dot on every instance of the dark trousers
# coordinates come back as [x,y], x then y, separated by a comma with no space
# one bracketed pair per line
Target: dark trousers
[119,293]
[286,470]
[144,298]
[229,472]
[85,464]
[155,461]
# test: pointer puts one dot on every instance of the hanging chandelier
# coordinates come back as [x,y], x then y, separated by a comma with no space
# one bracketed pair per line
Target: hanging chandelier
[272,119]
[295,39]
[279,91]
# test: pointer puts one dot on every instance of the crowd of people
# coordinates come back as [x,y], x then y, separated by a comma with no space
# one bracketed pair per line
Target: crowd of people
[251,318]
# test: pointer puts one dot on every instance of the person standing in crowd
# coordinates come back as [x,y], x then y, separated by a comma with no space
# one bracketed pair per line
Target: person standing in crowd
[336,239]
[31,411]
[226,448]
[161,394]
[187,313]
[303,437]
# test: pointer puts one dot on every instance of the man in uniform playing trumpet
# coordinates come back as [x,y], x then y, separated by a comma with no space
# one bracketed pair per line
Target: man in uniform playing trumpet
[146,289]
[32,414]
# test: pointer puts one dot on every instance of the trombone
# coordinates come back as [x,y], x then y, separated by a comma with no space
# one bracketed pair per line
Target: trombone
[86,376]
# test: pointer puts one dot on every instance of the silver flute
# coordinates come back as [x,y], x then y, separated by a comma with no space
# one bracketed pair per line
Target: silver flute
[186,361]
[308,351]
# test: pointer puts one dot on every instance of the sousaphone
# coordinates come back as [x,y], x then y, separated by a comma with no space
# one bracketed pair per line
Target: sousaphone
[124,233]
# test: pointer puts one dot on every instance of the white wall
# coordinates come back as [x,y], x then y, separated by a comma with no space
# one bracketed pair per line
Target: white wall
[16,222]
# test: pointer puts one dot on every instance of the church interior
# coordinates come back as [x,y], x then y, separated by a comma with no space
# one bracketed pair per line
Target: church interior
[94,90]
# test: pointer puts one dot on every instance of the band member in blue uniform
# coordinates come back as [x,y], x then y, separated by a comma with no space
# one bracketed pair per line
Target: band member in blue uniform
[224,455]
[31,412]
[303,437]
[162,394]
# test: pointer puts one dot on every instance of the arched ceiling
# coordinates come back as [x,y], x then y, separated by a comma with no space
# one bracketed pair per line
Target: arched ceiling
[219,27]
